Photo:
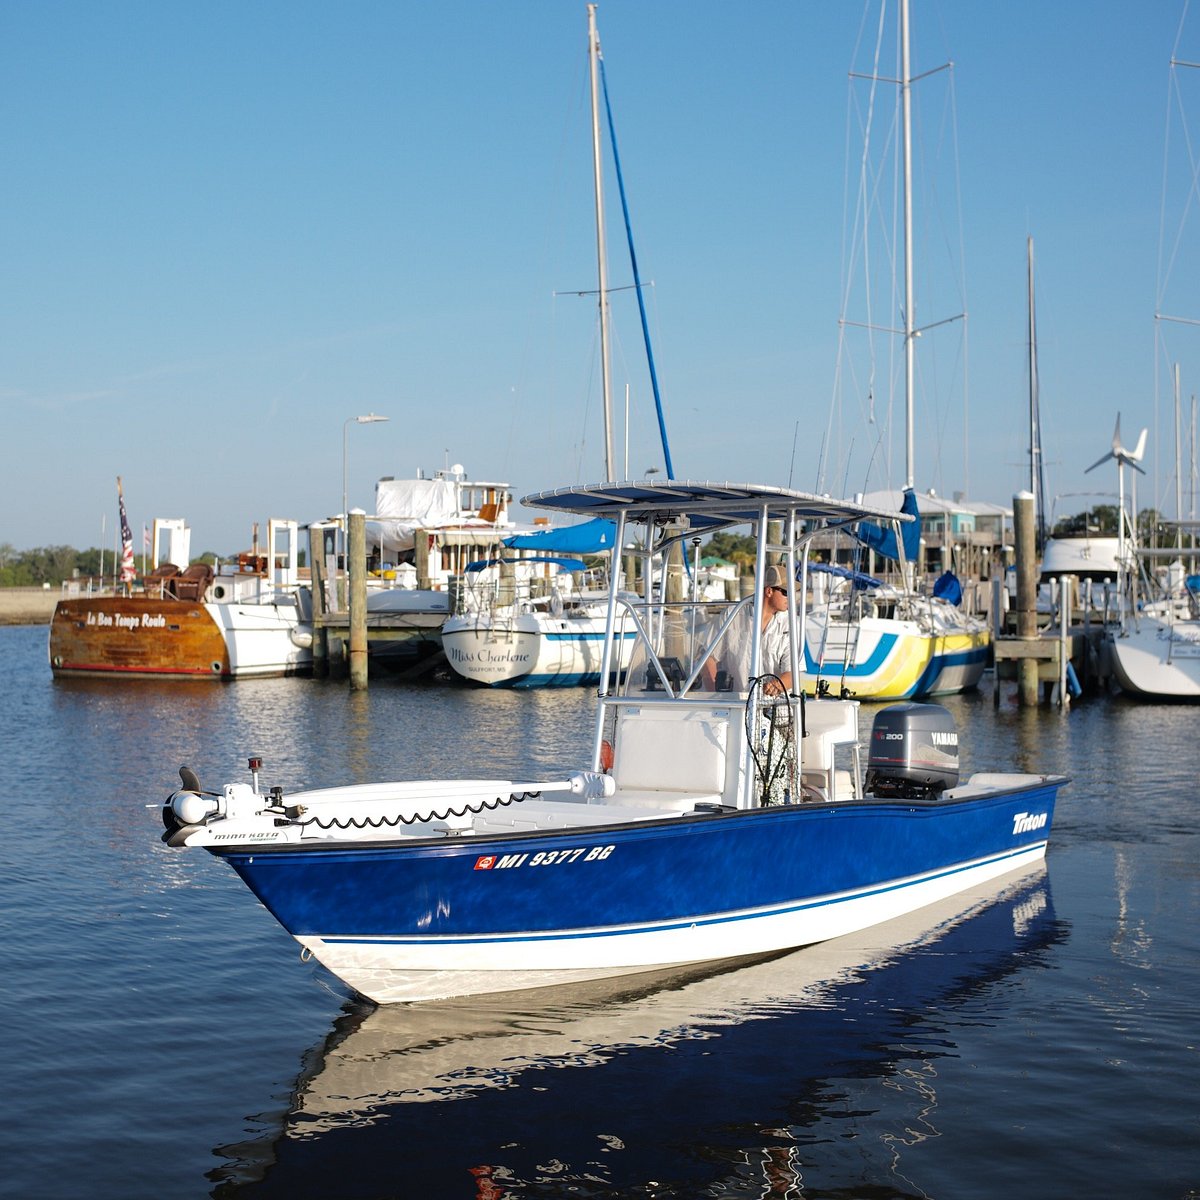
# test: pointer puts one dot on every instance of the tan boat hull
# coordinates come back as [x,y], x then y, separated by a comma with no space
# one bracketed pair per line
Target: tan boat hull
[137,635]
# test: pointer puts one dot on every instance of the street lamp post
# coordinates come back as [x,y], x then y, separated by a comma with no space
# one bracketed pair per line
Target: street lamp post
[369,419]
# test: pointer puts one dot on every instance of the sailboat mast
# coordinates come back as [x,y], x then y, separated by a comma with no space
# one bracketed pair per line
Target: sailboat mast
[601,255]
[1033,429]
[1178,466]
[909,321]
[1037,475]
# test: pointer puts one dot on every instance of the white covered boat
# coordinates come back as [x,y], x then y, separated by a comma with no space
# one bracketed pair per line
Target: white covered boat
[706,825]
[422,537]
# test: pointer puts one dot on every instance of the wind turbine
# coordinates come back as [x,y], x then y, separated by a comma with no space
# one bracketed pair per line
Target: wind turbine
[1124,458]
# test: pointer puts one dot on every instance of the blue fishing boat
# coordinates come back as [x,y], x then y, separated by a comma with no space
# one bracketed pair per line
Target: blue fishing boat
[709,824]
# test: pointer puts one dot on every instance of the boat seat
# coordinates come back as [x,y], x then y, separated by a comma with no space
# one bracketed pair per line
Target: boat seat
[665,750]
[829,724]
[157,582]
[191,582]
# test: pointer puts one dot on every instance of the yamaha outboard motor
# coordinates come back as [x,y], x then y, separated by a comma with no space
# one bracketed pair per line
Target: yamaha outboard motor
[913,753]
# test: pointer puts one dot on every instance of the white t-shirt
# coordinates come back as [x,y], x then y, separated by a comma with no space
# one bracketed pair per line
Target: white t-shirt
[734,652]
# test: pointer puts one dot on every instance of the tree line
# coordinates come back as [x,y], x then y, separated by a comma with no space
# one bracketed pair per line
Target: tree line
[56,564]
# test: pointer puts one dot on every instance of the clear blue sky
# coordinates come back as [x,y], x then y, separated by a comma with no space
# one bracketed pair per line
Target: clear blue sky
[227,227]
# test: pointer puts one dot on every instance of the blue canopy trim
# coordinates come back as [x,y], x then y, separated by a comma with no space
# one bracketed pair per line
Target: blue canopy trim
[567,564]
[883,541]
[591,537]
[861,582]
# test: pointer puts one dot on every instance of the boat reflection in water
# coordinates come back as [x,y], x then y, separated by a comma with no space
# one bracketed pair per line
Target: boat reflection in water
[712,1080]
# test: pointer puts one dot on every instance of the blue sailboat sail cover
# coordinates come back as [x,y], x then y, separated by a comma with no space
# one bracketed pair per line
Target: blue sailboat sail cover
[883,541]
[860,581]
[591,537]
[567,564]
[947,587]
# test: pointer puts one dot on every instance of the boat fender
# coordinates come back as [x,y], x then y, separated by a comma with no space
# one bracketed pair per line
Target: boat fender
[606,756]
[1073,685]
[556,604]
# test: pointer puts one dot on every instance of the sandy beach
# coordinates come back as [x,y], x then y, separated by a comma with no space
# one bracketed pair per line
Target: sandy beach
[27,606]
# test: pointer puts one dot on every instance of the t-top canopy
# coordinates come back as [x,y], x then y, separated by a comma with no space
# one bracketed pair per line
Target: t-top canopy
[706,505]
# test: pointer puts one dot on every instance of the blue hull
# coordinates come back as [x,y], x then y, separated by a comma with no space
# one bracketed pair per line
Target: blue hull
[658,875]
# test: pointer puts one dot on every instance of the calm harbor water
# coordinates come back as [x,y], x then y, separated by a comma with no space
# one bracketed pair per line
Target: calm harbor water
[163,1039]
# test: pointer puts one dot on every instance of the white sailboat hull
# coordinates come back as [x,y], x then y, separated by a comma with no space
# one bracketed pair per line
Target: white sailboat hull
[530,649]
[1158,658]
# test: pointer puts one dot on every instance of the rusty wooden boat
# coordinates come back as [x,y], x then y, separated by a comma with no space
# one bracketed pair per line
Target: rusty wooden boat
[249,617]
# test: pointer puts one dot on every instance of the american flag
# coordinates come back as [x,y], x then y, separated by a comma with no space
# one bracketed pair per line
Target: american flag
[127,569]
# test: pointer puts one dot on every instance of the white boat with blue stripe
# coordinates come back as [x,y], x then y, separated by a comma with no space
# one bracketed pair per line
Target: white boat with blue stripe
[545,627]
[709,823]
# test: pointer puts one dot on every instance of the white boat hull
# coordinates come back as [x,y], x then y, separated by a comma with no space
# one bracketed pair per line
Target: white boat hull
[529,649]
[1158,658]
[263,639]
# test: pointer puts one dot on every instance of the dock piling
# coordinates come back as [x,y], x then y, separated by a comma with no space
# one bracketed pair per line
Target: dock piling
[357,569]
[1026,552]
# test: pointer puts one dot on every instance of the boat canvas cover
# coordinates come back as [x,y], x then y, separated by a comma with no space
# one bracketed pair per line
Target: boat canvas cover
[405,505]
[591,537]
[861,581]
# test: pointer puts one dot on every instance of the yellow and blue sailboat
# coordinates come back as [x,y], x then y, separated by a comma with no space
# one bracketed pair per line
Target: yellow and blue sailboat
[877,641]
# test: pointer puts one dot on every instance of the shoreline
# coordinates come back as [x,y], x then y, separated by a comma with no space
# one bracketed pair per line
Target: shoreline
[27,605]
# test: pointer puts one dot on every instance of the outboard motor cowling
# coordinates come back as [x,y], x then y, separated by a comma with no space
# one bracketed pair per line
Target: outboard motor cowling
[913,752]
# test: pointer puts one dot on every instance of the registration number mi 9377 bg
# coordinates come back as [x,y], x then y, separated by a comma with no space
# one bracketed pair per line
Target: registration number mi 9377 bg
[542,858]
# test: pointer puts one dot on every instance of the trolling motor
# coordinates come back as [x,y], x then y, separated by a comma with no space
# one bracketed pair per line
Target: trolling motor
[190,805]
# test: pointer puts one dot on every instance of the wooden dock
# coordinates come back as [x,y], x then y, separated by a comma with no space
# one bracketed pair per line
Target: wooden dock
[1064,665]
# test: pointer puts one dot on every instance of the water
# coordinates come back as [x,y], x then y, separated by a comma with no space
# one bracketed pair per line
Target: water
[163,1040]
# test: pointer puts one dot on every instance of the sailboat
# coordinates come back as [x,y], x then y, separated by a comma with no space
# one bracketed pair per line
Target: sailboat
[534,631]
[876,641]
[537,630]
[1155,650]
